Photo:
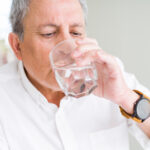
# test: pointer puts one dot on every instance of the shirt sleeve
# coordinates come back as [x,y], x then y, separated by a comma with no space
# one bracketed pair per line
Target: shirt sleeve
[140,136]
[3,141]
[134,129]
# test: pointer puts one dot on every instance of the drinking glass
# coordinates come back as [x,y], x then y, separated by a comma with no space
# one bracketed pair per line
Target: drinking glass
[74,80]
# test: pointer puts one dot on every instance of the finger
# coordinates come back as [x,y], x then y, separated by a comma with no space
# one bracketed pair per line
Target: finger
[87,40]
[110,63]
[105,58]
[91,56]
[86,59]
[96,56]
[84,49]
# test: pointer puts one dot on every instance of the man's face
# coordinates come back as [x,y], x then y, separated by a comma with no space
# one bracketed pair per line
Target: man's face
[47,23]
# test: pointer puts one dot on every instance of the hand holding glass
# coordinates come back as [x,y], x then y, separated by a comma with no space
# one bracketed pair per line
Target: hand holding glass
[74,80]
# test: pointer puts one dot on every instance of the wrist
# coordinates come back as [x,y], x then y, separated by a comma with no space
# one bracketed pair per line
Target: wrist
[128,101]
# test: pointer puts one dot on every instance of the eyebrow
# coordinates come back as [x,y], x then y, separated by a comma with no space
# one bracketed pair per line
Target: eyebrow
[48,25]
[77,25]
[56,26]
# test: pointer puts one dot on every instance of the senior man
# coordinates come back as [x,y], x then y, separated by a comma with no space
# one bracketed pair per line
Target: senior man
[34,113]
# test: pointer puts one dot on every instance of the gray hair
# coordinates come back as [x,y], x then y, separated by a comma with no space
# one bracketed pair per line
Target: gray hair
[19,9]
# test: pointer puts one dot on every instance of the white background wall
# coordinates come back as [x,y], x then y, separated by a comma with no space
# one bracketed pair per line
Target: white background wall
[122,28]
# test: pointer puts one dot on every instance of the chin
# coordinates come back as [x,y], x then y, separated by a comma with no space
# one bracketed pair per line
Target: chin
[54,87]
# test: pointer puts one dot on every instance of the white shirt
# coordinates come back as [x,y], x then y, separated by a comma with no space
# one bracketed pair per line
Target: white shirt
[29,122]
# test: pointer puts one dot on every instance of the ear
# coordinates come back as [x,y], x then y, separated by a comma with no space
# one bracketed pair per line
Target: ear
[15,45]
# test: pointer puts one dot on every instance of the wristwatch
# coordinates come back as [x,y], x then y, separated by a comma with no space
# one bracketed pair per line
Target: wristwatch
[141,108]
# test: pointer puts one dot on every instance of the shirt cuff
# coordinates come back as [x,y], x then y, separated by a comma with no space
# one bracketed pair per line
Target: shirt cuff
[140,136]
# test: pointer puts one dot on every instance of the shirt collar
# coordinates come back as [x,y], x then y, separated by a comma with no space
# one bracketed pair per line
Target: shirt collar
[31,89]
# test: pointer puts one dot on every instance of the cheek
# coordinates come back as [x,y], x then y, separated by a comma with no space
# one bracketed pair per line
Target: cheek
[36,55]
[43,46]
[36,49]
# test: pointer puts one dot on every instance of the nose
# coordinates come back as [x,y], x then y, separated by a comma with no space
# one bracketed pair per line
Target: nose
[64,35]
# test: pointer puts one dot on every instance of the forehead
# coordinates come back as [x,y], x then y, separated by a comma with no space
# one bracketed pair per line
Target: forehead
[55,11]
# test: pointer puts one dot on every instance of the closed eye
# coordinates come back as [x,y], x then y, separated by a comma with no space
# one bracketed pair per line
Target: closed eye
[47,35]
[76,34]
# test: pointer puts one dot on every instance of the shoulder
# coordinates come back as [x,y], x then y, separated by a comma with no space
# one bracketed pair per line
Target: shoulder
[9,72]
[10,86]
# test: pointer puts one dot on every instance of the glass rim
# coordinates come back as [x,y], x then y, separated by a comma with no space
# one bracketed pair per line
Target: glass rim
[58,44]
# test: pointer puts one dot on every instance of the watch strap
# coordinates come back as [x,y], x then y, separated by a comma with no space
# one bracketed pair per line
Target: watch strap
[129,116]
[134,115]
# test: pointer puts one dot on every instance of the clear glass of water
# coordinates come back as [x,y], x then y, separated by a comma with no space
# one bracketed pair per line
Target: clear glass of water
[74,80]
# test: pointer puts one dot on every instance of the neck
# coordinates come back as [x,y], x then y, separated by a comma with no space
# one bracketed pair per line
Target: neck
[51,95]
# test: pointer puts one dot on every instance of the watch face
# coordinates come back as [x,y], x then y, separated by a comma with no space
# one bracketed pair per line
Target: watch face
[143,109]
